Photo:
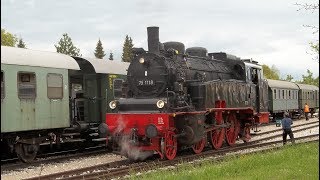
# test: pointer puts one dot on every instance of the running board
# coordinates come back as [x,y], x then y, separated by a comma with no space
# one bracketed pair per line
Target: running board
[94,128]
[73,140]
[99,139]
[71,134]
[94,134]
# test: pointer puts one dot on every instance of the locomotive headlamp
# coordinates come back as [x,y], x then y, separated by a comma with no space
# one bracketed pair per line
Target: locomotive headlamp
[160,104]
[113,104]
[141,60]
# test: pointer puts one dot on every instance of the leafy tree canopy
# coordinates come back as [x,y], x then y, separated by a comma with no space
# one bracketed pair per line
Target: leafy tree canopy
[312,7]
[127,54]
[65,46]
[99,53]
[309,79]
[271,73]
[288,78]
[8,39]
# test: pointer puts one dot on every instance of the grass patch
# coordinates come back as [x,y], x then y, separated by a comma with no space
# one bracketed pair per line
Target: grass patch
[299,161]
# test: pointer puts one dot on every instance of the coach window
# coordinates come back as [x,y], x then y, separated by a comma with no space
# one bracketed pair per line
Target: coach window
[2,85]
[275,94]
[117,88]
[289,94]
[26,85]
[312,94]
[54,86]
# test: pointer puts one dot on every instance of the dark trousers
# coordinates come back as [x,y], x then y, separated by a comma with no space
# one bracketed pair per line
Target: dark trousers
[306,114]
[285,134]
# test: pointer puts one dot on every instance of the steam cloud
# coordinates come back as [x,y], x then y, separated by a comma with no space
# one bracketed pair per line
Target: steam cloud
[125,143]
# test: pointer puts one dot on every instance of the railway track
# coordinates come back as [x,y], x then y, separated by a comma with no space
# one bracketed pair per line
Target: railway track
[57,157]
[315,124]
[124,167]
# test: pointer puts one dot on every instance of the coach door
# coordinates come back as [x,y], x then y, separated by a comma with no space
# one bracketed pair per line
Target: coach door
[27,95]
[55,96]
[92,99]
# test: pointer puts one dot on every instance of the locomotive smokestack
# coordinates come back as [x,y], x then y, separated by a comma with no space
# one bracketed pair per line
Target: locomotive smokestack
[153,39]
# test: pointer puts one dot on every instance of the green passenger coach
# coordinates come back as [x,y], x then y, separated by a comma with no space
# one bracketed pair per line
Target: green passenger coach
[34,96]
[50,98]
[34,88]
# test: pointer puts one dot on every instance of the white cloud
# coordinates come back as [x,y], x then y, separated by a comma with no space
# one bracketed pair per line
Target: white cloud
[271,31]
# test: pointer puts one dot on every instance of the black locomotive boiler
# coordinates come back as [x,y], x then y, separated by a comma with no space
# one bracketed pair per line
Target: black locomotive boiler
[183,98]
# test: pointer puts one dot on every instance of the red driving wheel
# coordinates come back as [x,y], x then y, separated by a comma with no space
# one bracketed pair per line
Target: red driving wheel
[216,136]
[232,131]
[199,146]
[170,148]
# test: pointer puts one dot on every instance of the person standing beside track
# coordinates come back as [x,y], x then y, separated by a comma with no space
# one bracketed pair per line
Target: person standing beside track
[306,111]
[286,126]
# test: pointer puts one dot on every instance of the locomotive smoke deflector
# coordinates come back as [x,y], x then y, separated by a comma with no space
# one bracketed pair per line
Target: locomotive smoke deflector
[153,39]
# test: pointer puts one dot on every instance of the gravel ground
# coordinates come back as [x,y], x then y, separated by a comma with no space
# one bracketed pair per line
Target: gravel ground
[99,159]
[59,167]
[295,122]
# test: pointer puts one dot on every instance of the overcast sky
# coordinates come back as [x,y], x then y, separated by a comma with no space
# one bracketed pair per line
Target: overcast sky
[268,31]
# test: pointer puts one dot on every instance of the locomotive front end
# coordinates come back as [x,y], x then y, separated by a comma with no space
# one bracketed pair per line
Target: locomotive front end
[141,135]
[140,125]
[147,76]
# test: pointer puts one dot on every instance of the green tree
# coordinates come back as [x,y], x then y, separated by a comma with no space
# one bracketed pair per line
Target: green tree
[127,54]
[8,39]
[313,7]
[271,73]
[288,78]
[309,79]
[21,44]
[65,46]
[111,56]
[315,50]
[99,53]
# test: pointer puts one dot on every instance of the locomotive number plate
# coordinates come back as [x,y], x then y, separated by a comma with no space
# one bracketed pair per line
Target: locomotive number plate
[146,83]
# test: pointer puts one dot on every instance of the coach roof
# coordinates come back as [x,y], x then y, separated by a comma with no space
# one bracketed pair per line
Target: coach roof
[28,57]
[108,67]
[308,87]
[281,84]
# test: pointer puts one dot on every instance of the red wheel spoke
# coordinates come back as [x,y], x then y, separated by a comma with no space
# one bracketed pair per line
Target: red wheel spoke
[170,145]
[217,137]
[199,146]
[232,131]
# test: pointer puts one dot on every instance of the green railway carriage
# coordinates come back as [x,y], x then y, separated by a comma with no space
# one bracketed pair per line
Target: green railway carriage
[34,98]
[52,98]
[290,97]
[99,82]
[308,94]
[283,96]
[34,93]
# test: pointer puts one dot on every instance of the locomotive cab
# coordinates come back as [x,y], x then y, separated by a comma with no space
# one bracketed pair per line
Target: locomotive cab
[259,95]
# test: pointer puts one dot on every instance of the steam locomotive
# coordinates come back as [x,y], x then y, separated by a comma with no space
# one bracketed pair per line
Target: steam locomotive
[179,98]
